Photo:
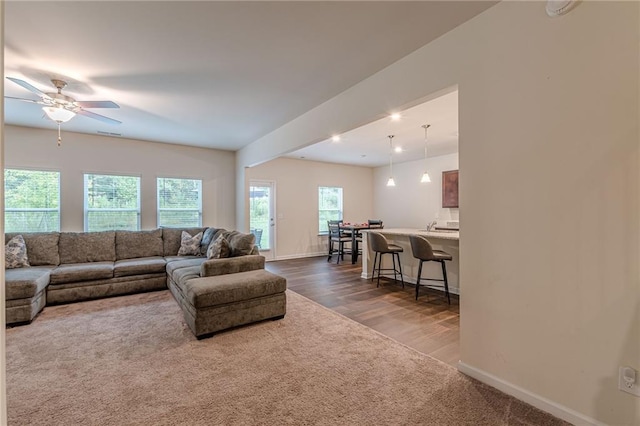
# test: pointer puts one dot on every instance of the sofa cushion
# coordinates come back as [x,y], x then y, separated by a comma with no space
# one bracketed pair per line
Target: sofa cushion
[42,247]
[82,247]
[232,265]
[189,245]
[171,239]
[170,259]
[75,272]
[134,244]
[139,266]
[24,283]
[15,253]
[205,292]
[183,263]
[219,249]
[182,275]
[241,244]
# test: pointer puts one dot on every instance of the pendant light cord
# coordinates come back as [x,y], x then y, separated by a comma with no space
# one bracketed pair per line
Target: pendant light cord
[425,127]
[391,155]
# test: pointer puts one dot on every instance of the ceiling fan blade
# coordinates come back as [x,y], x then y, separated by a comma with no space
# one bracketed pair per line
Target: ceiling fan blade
[98,117]
[25,100]
[29,87]
[97,104]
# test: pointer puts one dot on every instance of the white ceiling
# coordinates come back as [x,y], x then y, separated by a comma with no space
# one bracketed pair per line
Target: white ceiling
[369,145]
[210,74]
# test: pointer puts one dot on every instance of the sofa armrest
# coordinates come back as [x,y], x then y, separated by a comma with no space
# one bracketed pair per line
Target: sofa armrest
[231,265]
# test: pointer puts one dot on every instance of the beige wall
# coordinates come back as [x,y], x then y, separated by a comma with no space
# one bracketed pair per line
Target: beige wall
[549,161]
[79,154]
[549,194]
[3,363]
[412,204]
[297,183]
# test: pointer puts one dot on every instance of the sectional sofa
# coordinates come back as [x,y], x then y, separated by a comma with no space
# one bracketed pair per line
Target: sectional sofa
[74,266]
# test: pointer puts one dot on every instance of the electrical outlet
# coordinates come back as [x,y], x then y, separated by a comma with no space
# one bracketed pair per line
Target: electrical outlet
[628,381]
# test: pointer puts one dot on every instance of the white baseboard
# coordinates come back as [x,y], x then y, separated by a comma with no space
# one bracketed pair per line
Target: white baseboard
[299,256]
[530,398]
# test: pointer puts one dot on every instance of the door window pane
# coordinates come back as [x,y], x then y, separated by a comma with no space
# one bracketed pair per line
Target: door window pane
[32,201]
[260,214]
[111,202]
[329,206]
[179,202]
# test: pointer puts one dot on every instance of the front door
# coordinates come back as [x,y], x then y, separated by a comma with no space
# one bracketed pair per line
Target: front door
[261,216]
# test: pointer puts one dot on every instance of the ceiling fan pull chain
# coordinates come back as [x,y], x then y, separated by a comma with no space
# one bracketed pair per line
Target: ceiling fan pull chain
[59,137]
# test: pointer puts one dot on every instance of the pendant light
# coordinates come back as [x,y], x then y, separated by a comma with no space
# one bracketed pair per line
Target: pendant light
[391,182]
[425,175]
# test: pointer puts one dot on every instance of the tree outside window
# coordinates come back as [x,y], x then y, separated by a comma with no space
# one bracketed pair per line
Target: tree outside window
[32,201]
[111,202]
[179,202]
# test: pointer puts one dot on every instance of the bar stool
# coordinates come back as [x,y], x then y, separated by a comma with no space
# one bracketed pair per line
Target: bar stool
[381,246]
[423,251]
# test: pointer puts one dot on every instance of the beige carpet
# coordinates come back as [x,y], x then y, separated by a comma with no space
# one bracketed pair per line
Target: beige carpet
[132,361]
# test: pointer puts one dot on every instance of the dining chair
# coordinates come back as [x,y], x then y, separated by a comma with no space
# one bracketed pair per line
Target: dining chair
[423,251]
[381,246]
[258,233]
[336,237]
[375,223]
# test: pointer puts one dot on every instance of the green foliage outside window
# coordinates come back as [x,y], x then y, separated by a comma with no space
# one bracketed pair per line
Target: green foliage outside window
[112,202]
[179,202]
[32,201]
[259,216]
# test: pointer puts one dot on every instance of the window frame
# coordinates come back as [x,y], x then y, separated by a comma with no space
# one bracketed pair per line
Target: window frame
[159,209]
[59,191]
[86,198]
[340,209]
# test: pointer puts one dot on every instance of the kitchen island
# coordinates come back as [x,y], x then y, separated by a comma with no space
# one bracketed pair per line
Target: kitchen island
[440,240]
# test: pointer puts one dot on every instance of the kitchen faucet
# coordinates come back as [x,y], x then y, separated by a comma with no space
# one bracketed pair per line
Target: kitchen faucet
[431,225]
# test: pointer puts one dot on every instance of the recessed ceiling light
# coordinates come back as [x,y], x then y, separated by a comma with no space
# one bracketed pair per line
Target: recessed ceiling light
[396,116]
[398,149]
[335,138]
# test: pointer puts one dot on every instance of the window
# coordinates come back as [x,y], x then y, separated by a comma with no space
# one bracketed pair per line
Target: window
[329,206]
[261,198]
[32,201]
[111,202]
[179,202]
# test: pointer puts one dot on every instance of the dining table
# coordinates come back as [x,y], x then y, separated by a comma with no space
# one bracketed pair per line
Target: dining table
[353,229]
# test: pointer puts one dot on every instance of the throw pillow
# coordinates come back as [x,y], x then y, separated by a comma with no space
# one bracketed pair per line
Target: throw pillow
[219,248]
[207,238]
[189,246]
[241,244]
[15,253]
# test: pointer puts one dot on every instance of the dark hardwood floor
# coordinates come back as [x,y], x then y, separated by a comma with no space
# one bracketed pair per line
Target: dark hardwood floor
[429,325]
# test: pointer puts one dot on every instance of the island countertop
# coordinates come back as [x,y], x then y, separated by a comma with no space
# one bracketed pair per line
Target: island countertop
[447,241]
[444,235]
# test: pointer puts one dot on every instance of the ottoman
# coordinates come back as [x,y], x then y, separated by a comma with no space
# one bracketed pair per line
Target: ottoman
[215,303]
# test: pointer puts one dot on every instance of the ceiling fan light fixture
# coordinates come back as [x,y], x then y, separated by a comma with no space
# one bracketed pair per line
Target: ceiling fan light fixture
[58,114]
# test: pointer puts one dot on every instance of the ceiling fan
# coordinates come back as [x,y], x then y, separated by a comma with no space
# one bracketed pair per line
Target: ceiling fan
[62,108]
